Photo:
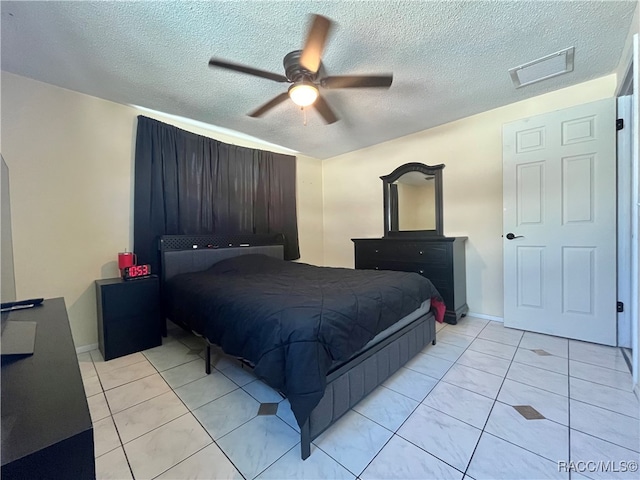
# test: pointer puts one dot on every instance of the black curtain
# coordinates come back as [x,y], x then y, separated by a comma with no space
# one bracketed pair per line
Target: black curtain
[187,184]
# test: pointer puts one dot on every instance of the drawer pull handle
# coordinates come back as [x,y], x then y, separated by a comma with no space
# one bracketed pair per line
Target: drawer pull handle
[376,251]
[376,268]
[420,252]
[421,271]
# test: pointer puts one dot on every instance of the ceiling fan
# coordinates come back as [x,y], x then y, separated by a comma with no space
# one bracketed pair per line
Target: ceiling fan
[305,72]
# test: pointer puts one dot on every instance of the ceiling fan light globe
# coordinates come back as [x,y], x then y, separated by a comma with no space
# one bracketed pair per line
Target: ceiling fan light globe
[303,94]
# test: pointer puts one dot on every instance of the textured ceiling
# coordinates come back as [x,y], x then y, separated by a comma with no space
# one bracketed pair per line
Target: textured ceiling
[449,58]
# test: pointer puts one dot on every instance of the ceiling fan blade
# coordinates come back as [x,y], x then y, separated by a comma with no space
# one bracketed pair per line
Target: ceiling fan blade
[314,46]
[324,109]
[357,81]
[269,105]
[214,62]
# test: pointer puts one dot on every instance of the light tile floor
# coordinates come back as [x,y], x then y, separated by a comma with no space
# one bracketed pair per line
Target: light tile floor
[448,414]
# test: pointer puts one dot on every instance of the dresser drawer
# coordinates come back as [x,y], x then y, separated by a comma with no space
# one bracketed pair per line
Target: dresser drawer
[377,250]
[440,277]
[427,271]
[379,264]
[431,253]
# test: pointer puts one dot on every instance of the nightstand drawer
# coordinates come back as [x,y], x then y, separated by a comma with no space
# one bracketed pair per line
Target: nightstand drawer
[131,298]
[130,335]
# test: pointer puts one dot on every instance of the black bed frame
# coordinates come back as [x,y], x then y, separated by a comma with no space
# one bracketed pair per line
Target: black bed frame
[347,383]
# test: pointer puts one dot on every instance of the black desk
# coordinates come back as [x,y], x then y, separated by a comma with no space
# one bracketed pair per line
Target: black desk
[46,425]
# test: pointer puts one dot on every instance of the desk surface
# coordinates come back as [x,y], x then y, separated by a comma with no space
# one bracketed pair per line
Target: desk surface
[43,398]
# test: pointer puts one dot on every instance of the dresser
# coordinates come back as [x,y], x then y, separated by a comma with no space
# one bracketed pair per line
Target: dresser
[46,425]
[440,259]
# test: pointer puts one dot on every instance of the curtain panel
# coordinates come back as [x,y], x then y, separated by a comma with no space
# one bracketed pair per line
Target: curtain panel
[187,184]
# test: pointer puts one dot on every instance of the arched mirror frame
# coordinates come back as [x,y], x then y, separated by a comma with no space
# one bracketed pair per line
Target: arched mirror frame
[391,222]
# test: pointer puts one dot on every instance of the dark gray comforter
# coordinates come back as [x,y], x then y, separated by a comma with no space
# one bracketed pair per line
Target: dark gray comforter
[292,320]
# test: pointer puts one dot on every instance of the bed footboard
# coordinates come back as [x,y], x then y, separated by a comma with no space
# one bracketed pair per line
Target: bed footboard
[350,383]
[354,380]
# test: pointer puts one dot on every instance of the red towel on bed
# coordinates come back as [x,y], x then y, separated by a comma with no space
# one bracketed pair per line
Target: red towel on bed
[438,309]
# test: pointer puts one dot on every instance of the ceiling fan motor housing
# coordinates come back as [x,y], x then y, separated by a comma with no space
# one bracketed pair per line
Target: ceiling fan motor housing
[296,72]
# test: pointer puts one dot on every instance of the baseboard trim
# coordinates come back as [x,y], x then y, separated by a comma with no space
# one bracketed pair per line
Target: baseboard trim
[485,317]
[87,348]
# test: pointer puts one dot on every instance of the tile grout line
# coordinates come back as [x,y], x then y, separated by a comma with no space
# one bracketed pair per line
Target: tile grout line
[587,403]
[277,459]
[395,433]
[438,381]
[537,387]
[190,412]
[114,425]
[157,427]
[603,384]
[139,403]
[605,409]
[558,423]
[491,409]
[608,441]
[244,423]
[495,400]
[357,475]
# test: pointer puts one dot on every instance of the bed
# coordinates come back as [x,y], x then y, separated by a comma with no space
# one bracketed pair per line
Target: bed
[324,337]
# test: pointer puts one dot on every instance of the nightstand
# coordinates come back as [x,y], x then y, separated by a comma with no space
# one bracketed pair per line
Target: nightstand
[128,315]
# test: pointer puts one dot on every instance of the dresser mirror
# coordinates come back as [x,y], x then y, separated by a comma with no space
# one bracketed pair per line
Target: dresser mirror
[413,200]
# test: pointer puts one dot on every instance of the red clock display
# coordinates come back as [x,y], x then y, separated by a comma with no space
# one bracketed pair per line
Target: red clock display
[136,271]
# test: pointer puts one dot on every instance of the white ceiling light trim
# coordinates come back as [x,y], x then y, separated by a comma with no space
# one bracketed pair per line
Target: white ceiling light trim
[550,66]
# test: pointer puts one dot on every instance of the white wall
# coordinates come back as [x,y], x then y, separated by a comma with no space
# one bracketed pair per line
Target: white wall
[471,149]
[71,162]
[310,209]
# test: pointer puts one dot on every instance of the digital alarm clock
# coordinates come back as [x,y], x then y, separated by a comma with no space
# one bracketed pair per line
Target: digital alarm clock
[136,271]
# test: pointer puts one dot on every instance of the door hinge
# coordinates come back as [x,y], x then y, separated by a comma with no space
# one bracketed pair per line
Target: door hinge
[620,124]
[620,307]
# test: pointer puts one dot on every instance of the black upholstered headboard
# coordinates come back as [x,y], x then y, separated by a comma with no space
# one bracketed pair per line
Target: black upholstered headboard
[193,253]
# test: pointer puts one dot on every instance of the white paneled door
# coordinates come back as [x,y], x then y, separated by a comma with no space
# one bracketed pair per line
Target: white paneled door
[559,223]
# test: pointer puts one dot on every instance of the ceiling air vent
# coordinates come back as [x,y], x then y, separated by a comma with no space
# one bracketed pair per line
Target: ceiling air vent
[543,68]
